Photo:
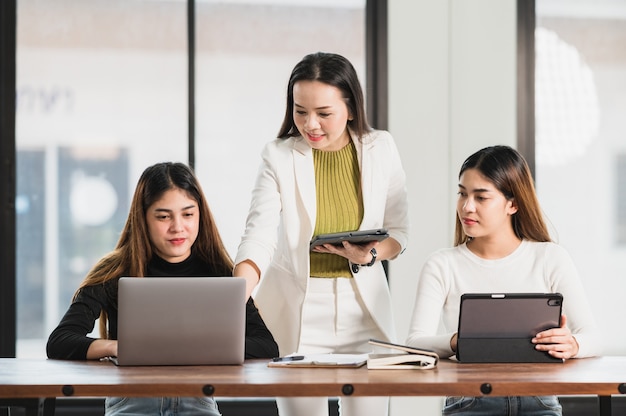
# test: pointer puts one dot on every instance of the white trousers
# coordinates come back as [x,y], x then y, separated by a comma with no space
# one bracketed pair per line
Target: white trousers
[334,320]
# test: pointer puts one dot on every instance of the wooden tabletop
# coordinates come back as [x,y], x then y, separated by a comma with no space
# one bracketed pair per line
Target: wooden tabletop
[31,378]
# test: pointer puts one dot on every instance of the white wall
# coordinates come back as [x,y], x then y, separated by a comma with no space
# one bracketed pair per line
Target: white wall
[452,84]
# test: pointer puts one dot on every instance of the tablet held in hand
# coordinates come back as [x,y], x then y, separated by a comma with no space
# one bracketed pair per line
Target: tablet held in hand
[354,237]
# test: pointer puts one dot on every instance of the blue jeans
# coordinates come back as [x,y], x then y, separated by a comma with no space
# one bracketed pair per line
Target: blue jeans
[503,406]
[160,406]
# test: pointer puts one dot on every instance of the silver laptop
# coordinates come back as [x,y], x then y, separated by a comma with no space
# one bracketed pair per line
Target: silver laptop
[181,321]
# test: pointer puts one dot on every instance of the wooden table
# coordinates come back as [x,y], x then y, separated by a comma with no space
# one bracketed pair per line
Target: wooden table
[33,381]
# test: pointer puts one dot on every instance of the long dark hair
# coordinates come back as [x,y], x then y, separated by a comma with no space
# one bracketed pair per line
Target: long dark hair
[134,249]
[331,69]
[508,171]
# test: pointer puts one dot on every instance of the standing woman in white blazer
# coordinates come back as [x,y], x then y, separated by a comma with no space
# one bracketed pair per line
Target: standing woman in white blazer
[328,171]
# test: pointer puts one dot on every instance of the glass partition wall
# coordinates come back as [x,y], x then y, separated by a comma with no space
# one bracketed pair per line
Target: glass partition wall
[102,92]
[245,54]
[580,143]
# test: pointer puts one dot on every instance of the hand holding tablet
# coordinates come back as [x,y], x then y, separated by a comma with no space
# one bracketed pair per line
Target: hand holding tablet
[354,237]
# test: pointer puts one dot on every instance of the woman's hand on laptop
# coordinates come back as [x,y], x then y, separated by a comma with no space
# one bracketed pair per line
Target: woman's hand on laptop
[102,348]
[558,342]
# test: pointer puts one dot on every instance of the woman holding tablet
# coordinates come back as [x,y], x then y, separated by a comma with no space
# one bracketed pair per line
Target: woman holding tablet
[327,172]
[502,245]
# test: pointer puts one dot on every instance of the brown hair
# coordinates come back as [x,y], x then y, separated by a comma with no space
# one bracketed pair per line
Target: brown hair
[134,248]
[509,172]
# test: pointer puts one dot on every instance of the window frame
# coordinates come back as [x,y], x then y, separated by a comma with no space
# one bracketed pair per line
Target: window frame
[8,307]
[526,22]
[376,96]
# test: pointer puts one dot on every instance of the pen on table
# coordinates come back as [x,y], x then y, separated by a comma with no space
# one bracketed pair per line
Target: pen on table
[288,358]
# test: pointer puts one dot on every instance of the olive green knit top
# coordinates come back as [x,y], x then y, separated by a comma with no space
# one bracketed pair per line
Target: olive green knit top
[339,204]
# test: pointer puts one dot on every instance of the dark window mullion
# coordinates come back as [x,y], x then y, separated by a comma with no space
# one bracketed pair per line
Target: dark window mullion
[526,21]
[8,19]
[376,63]
[191,80]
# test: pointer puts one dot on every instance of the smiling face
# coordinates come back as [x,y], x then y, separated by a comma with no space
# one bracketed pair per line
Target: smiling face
[321,115]
[484,212]
[173,222]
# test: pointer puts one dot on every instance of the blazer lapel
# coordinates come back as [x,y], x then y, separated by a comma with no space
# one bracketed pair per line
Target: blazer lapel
[368,176]
[305,178]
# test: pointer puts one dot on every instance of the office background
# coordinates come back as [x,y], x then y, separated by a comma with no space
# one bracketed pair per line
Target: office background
[102,91]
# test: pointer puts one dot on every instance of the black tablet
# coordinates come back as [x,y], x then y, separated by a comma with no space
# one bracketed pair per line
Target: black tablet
[498,327]
[354,237]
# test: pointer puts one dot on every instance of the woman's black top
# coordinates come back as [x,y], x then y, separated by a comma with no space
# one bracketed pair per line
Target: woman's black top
[70,340]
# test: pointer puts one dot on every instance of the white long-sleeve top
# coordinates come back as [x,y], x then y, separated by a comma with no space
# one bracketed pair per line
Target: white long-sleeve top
[532,267]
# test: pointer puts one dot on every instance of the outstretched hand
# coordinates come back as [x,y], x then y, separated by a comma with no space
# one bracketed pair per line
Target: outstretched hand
[558,342]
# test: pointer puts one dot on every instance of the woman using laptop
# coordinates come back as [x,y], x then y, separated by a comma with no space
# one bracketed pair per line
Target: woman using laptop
[169,231]
[501,245]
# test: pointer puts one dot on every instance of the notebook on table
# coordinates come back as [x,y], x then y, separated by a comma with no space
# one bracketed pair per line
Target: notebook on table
[327,360]
[181,321]
[406,357]
[498,328]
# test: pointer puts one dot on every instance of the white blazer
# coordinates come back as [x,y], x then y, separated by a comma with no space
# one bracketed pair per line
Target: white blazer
[280,226]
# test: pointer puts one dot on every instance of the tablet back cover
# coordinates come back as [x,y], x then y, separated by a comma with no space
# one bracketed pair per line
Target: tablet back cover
[498,328]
